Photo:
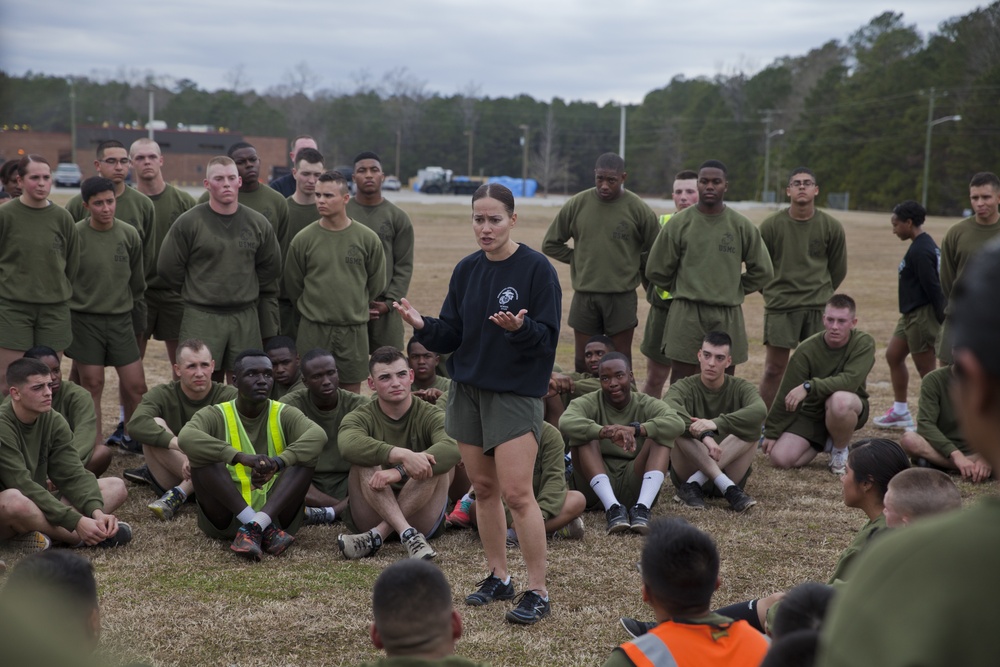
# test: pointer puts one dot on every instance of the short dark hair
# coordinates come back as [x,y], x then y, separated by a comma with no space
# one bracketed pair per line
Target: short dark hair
[718,338]
[911,211]
[974,326]
[310,155]
[920,492]
[686,175]
[21,369]
[95,185]
[843,301]
[109,143]
[237,146]
[22,164]
[803,608]
[193,344]
[367,155]
[714,164]
[9,169]
[612,162]
[40,352]
[280,343]
[59,575]
[386,354]
[877,460]
[802,170]
[411,601]
[333,176]
[495,191]
[985,178]
[614,356]
[316,353]
[413,340]
[680,566]
[245,354]
[793,650]
[604,340]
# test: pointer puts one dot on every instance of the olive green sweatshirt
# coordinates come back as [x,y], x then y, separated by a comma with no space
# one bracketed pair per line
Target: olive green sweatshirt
[395,231]
[610,240]
[700,258]
[368,435]
[112,279]
[960,243]
[585,416]
[349,263]
[809,257]
[268,202]
[330,460]
[170,403]
[34,453]
[736,407]
[549,477]
[136,209]
[167,207]
[76,406]
[221,263]
[39,253]
[936,420]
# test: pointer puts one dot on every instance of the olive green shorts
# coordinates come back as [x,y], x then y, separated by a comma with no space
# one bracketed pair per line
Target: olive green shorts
[348,344]
[786,329]
[164,313]
[487,418]
[289,318]
[624,482]
[943,346]
[655,333]
[689,321]
[103,340]
[920,328]
[225,334]
[386,330]
[815,430]
[599,313]
[229,532]
[333,484]
[25,325]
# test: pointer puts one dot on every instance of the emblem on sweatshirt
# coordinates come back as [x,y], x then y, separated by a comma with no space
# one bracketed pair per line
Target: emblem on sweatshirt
[506,295]
[353,256]
[246,240]
[621,232]
[58,245]
[817,248]
[726,244]
[121,254]
[385,231]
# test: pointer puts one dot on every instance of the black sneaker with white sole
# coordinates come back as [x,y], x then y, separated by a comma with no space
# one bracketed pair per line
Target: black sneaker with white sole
[491,588]
[618,521]
[530,609]
[738,499]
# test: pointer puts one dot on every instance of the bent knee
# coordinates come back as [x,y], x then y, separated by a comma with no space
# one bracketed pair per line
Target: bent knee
[15,503]
[843,403]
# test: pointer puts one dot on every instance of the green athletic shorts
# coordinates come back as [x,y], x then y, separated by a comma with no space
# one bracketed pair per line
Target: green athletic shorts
[920,328]
[486,418]
[103,340]
[25,325]
[786,329]
[943,346]
[815,431]
[164,312]
[708,488]
[229,532]
[689,321]
[348,344]
[386,330]
[624,482]
[225,334]
[655,333]
[598,313]
[331,483]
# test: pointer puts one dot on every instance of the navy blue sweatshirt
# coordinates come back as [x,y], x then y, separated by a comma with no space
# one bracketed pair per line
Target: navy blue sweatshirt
[919,282]
[487,356]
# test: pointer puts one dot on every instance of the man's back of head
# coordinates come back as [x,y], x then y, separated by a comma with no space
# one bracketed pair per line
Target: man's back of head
[680,568]
[411,603]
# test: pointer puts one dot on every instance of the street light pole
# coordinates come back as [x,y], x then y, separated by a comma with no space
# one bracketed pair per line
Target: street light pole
[469,134]
[767,157]
[927,147]
[524,160]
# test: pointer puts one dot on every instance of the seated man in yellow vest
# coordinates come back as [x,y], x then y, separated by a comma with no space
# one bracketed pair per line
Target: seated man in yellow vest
[680,573]
[252,461]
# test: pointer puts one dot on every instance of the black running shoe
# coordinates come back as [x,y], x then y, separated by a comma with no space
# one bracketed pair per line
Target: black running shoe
[491,588]
[738,499]
[617,520]
[690,494]
[530,609]
[638,517]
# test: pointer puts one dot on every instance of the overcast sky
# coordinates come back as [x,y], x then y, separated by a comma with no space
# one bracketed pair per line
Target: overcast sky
[572,49]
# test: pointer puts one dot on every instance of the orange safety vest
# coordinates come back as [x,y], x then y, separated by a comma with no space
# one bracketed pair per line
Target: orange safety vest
[672,644]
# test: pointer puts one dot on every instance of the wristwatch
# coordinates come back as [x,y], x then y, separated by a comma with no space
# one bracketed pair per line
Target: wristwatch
[402,472]
[638,428]
[807,385]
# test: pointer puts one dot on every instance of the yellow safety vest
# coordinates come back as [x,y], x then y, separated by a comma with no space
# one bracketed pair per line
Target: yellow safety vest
[237,437]
[662,293]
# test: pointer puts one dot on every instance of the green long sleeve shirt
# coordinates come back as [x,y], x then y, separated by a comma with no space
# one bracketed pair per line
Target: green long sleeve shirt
[610,240]
[828,370]
[330,459]
[170,403]
[700,258]
[936,420]
[368,435]
[395,231]
[76,406]
[39,253]
[221,263]
[112,278]
[736,407]
[167,207]
[350,261]
[136,209]
[548,480]
[960,243]
[268,202]
[585,416]
[858,544]
[203,438]
[33,453]
[809,258]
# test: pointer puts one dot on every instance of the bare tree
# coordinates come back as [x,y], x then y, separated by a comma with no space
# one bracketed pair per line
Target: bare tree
[546,165]
[237,79]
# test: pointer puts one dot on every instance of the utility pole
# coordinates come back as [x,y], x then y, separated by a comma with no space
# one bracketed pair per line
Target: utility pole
[469,134]
[621,134]
[524,160]
[399,140]
[72,117]
[927,143]
[149,127]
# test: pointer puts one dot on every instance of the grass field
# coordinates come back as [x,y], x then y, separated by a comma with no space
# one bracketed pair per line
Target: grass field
[175,597]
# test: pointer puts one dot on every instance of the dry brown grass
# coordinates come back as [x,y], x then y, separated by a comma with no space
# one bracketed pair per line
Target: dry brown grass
[175,597]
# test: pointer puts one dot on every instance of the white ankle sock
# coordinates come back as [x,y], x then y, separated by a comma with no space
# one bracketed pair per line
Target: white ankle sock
[698,478]
[651,483]
[900,408]
[722,482]
[261,519]
[246,516]
[601,486]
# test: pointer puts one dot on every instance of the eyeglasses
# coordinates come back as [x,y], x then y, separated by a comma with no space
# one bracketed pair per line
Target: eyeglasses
[112,161]
[802,184]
